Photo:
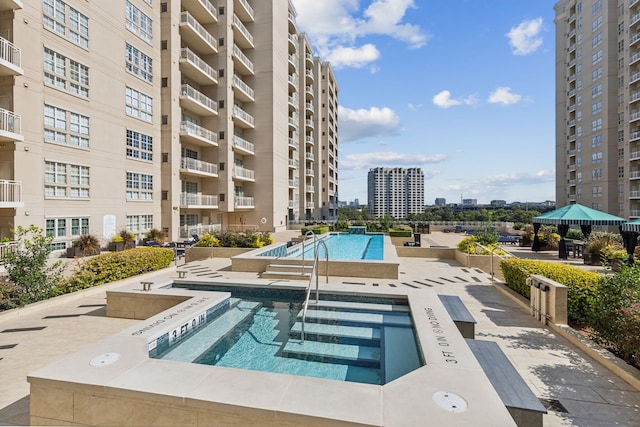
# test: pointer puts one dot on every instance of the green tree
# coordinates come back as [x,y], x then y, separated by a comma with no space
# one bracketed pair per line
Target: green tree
[31,277]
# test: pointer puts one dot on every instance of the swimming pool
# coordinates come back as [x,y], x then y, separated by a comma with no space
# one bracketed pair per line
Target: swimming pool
[347,338]
[345,246]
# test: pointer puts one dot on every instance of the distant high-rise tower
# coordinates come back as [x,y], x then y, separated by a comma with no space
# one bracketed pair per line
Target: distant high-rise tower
[397,192]
[598,105]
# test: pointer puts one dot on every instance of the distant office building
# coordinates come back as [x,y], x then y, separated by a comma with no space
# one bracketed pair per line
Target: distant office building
[498,203]
[441,201]
[397,192]
[469,202]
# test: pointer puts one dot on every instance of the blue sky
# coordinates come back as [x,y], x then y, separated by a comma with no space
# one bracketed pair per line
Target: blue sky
[464,89]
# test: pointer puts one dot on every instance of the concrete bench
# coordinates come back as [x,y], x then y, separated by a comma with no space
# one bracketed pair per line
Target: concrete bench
[525,408]
[146,286]
[458,312]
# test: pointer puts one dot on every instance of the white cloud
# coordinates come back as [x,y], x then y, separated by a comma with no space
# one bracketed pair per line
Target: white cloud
[503,95]
[334,26]
[353,57]
[360,124]
[525,38]
[390,159]
[444,100]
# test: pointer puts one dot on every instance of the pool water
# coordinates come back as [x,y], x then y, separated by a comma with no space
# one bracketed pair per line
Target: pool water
[370,342]
[345,246]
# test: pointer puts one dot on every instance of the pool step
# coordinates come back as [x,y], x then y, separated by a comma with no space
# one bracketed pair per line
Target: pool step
[348,305]
[358,335]
[212,333]
[354,317]
[287,271]
[337,353]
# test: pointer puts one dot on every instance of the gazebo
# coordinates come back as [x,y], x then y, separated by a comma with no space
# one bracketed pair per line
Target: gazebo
[572,214]
[630,231]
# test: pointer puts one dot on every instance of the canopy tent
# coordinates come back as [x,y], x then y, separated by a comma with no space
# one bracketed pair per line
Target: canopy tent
[630,231]
[572,214]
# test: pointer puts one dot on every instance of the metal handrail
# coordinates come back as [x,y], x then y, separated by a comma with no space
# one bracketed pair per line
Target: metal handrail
[476,245]
[304,239]
[314,270]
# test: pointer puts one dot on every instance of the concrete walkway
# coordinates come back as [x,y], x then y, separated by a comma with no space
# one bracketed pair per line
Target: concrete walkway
[576,389]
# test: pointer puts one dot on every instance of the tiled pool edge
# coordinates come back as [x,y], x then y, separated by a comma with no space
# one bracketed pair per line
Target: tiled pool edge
[138,390]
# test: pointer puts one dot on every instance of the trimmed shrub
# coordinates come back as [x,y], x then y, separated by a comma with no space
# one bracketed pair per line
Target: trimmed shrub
[400,232]
[582,285]
[113,266]
[317,229]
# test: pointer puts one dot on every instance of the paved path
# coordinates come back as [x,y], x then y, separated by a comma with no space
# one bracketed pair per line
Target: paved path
[577,390]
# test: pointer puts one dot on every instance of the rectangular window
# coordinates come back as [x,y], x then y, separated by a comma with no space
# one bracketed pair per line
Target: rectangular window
[66,180]
[596,57]
[620,171]
[65,74]
[138,104]
[65,127]
[79,226]
[139,186]
[596,108]
[596,40]
[138,63]
[596,90]
[59,17]
[138,23]
[596,158]
[596,74]
[596,140]
[139,145]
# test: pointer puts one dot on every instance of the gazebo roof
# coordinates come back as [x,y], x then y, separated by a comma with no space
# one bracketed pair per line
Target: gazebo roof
[632,226]
[578,214]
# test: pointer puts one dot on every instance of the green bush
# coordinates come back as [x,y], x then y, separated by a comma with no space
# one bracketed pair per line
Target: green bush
[581,285]
[113,266]
[234,239]
[317,229]
[207,240]
[400,232]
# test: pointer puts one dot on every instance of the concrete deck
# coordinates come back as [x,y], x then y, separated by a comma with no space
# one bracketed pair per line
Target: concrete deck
[577,390]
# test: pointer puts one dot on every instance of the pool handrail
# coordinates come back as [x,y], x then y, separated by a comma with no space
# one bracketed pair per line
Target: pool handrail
[308,294]
[304,239]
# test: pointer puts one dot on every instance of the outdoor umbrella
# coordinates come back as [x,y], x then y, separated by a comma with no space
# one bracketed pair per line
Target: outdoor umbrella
[576,214]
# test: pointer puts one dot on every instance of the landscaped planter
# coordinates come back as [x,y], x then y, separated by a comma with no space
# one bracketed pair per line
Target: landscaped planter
[77,252]
[116,246]
[591,258]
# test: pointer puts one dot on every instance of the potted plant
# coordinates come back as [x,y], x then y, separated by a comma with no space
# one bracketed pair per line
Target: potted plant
[599,243]
[117,243]
[614,256]
[128,238]
[156,235]
[85,245]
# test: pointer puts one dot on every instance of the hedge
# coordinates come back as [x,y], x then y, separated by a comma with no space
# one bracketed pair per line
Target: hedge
[113,266]
[317,229]
[581,285]
[396,232]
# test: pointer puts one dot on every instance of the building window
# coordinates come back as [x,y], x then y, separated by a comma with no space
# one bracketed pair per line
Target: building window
[596,40]
[65,74]
[138,63]
[139,186]
[138,23]
[620,153]
[596,124]
[596,74]
[65,127]
[596,108]
[620,171]
[596,140]
[139,145]
[139,223]
[138,104]
[596,191]
[621,136]
[596,57]
[66,180]
[58,17]
[596,157]
[596,90]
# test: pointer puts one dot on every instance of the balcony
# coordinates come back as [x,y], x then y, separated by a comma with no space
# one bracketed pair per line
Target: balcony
[198,201]
[634,175]
[243,146]
[310,205]
[10,128]
[309,156]
[635,135]
[6,5]
[243,174]
[192,66]
[634,155]
[293,62]
[293,82]
[293,183]
[634,39]
[293,122]
[11,194]
[309,140]
[634,213]
[293,41]
[244,10]
[294,144]
[634,194]
[243,63]
[243,91]
[635,96]
[310,189]
[194,100]
[634,19]
[244,202]
[309,123]
[203,9]
[293,163]
[309,58]
[197,135]
[309,107]
[10,59]
[241,34]
[243,117]
[634,58]
[634,77]
[310,172]
[293,101]
[309,75]
[195,36]
[195,167]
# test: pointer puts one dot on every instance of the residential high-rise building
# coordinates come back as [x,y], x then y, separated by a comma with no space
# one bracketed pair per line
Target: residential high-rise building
[598,105]
[398,192]
[181,115]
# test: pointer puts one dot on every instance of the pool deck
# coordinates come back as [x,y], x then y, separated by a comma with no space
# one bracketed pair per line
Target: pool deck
[579,391]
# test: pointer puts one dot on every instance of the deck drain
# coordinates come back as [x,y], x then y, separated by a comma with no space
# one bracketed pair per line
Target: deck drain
[105,359]
[450,402]
[553,405]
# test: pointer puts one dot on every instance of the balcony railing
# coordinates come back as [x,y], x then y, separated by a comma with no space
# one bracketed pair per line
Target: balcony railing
[10,128]
[11,194]
[294,144]
[193,129]
[240,26]
[247,8]
[293,183]
[243,115]
[199,97]
[243,173]
[186,18]
[309,156]
[243,144]
[243,58]
[198,199]
[634,175]
[634,155]
[244,202]
[294,163]
[243,87]
[199,166]
[309,123]
[190,56]
[634,194]
[11,54]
